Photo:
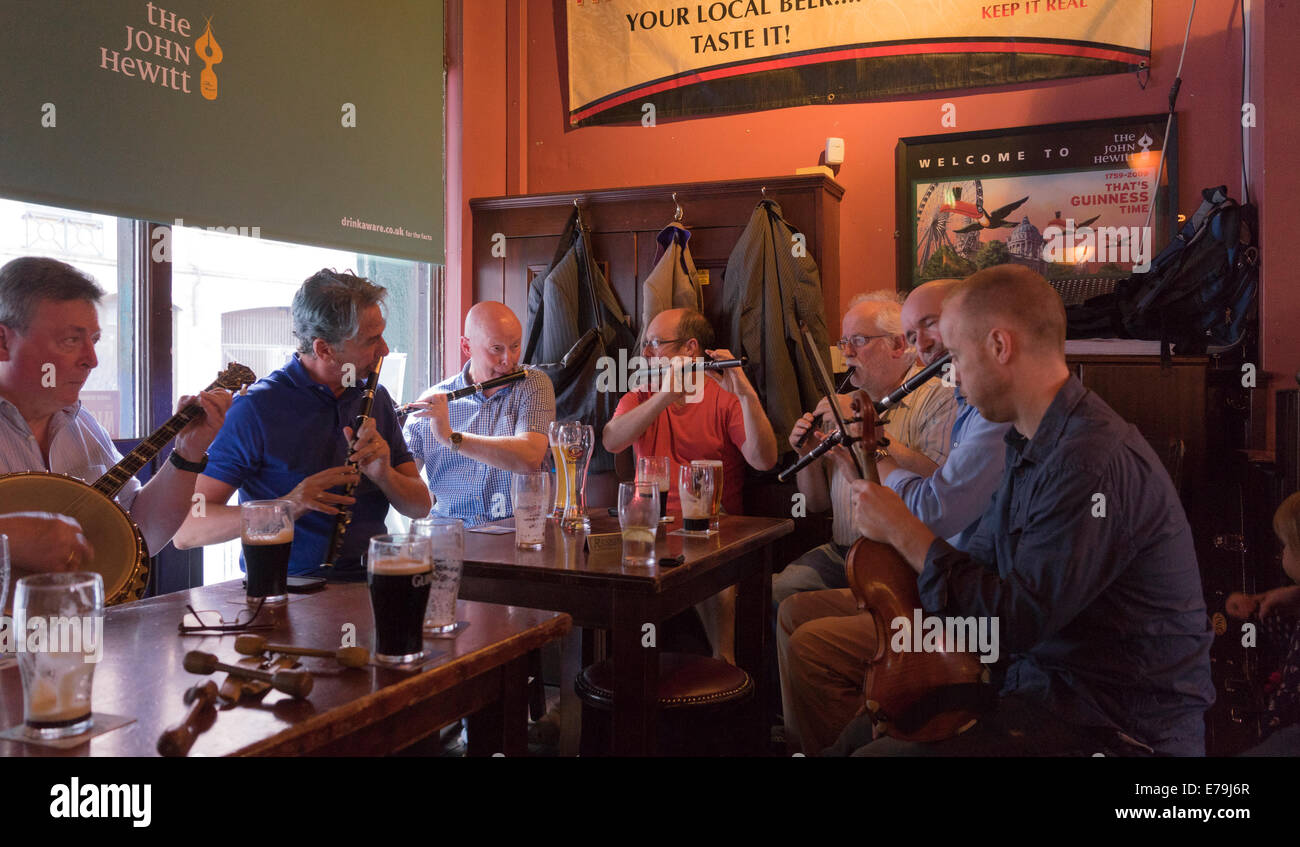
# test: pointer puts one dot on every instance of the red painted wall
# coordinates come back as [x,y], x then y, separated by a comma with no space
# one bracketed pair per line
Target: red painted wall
[517,140]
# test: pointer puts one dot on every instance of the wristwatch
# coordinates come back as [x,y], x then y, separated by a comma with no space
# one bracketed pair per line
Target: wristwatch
[456,438]
[186,465]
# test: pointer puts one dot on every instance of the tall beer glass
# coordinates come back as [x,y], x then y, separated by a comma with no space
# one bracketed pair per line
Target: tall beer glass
[555,460]
[266,530]
[447,536]
[58,669]
[399,570]
[717,466]
[576,443]
[656,469]
[530,495]
[696,492]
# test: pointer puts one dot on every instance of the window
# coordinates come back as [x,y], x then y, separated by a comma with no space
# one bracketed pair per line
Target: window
[102,247]
[231,296]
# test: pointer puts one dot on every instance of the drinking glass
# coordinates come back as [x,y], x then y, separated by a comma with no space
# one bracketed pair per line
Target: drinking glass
[448,538]
[266,532]
[576,442]
[58,670]
[530,496]
[555,463]
[397,568]
[716,464]
[656,469]
[638,516]
[695,488]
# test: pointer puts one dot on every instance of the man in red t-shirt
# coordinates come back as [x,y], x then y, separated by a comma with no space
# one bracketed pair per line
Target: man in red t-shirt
[726,422]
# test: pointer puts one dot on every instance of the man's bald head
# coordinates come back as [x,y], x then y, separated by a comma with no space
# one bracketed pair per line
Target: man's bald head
[492,341]
[920,316]
[489,316]
[1016,297]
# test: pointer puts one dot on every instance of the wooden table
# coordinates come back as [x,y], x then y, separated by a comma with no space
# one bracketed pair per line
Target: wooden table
[601,592]
[480,674]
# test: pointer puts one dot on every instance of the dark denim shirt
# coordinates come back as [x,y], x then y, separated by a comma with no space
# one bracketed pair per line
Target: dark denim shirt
[1101,616]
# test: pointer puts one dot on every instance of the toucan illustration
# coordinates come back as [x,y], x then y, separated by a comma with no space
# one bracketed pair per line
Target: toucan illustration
[996,219]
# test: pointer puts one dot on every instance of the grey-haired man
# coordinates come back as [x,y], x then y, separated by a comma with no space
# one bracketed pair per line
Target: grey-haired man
[288,437]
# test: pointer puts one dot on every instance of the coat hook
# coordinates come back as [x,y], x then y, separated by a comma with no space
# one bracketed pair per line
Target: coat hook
[677,215]
[764,190]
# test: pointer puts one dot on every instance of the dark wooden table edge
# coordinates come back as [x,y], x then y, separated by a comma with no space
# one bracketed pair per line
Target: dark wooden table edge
[325,728]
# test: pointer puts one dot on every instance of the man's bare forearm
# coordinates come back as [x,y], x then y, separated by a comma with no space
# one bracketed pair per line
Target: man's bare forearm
[621,431]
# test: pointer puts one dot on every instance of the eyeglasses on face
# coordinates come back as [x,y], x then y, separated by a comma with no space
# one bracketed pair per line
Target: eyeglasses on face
[654,344]
[856,341]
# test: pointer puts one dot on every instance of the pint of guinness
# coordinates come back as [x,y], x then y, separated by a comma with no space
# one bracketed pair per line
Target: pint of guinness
[399,569]
[266,532]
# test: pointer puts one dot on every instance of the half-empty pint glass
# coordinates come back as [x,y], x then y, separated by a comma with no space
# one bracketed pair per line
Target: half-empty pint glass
[59,620]
[448,538]
[398,568]
[266,533]
[530,497]
[716,464]
[695,488]
[656,469]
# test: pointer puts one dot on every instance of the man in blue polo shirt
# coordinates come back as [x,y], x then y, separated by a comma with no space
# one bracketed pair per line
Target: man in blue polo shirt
[469,447]
[288,437]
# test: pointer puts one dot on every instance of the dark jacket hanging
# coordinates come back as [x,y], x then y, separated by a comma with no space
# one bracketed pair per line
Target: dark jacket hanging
[771,284]
[574,319]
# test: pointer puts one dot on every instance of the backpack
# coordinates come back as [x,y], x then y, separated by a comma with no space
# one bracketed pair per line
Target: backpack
[1198,292]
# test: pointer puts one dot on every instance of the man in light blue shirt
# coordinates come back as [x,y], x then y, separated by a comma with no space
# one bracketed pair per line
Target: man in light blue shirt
[823,639]
[470,447]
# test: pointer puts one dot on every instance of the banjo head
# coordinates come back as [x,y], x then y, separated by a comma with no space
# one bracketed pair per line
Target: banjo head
[121,556]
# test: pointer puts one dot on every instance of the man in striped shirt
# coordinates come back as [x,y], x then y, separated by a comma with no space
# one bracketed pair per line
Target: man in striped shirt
[469,447]
[48,330]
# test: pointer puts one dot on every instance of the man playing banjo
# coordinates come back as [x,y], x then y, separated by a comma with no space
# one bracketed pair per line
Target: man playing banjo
[48,331]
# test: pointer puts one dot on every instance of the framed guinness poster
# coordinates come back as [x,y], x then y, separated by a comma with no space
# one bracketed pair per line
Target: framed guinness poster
[1072,201]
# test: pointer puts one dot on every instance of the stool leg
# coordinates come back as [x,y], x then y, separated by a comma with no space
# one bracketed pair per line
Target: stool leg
[536,688]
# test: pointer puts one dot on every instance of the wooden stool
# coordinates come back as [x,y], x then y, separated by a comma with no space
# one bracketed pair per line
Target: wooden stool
[697,697]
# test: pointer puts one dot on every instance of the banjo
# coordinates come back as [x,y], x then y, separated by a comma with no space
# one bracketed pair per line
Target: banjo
[121,556]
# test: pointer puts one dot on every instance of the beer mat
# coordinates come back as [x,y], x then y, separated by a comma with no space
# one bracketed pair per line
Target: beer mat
[104,722]
[688,534]
[667,519]
[491,529]
[460,625]
[430,657]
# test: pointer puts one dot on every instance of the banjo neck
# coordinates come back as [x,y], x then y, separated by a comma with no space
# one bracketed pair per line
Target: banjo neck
[233,378]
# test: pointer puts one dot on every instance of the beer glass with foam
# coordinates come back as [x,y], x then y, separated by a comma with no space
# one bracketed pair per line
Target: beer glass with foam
[447,536]
[695,488]
[266,532]
[399,569]
[60,619]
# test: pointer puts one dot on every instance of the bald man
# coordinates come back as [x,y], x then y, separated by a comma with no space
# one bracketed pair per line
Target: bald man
[288,438]
[469,447]
[1083,564]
